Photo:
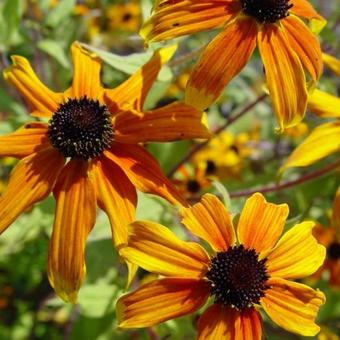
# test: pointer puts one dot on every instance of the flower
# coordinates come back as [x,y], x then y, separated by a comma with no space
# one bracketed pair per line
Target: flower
[324,140]
[89,154]
[286,45]
[226,153]
[330,238]
[248,268]
[332,63]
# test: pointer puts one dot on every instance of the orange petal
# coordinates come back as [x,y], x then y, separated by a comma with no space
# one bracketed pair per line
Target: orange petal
[223,59]
[293,306]
[161,300]
[261,223]
[144,172]
[118,198]
[156,249]
[132,93]
[30,182]
[86,73]
[210,220]
[324,104]
[303,8]
[305,44]
[74,218]
[322,141]
[172,122]
[297,254]
[176,18]
[42,100]
[285,76]
[219,322]
[30,138]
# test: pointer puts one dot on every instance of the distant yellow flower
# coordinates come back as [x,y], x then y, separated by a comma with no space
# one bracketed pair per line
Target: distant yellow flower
[192,180]
[324,140]
[226,153]
[332,63]
[96,132]
[330,238]
[249,267]
[123,17]
[286,45]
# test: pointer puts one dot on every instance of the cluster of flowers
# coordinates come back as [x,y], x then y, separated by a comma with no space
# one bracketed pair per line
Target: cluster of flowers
[89,154]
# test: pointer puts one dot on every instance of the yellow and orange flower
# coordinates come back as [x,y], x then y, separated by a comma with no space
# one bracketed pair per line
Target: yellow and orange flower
[248,267]
[226,153]
[89,154]
[330,238]
[286,45]
[322,141]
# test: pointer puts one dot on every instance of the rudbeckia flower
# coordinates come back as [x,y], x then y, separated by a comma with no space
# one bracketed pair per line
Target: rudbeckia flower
[286,45]
[330,238]
[324,140]
[88,154]
[248,268]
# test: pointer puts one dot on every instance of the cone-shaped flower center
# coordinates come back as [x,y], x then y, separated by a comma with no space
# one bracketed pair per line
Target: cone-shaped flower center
[238,278]
[81,128]
[333,251]
[266,11]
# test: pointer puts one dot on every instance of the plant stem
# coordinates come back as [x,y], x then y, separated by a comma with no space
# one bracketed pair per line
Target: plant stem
[287,184]
[228,122]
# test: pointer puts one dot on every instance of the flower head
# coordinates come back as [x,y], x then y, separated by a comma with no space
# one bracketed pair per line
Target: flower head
[286,45]
[88,154]
[248,267]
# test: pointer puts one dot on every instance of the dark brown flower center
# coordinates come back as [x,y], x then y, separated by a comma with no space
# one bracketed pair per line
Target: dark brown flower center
[210,167]
[238,278]
[193,186]
[266,11]
[333,251]
[81,128]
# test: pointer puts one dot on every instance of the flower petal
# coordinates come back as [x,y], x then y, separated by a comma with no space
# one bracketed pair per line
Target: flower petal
[116,196]
[332,63]
[144,172]
[322,141]
[219,322]
[303,8]
[261,223]
[86,73]
[161,300]
[132,93]
[285,76]
[324,104]
[224,58]
[297,254]
[30,138]
[30,182]
[158,250]
[173,19]
[74,218]
[293,306]
[42,100]
[210,220]
[172,122]
[305,44]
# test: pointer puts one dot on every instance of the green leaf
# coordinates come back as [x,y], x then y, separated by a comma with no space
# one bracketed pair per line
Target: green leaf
[130,63]
[222,190]
[55,50]
[60,12]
